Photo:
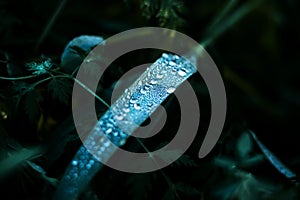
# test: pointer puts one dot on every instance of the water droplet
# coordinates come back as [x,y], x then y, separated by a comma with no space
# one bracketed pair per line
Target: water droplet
[88,166]
[133,100]
[176,57]
[126,110]
[153,82]
[102,139]
[143,91]
[171,63]
[88,60]
[74,162]
[122,142]
[123,135]
[108,131]
[170,90]
[182,72]
[164,55]
[159,76]
[106,144]
[102,149]
[91,162]
[119,117]
[147,86]
[116,134]
[137,106]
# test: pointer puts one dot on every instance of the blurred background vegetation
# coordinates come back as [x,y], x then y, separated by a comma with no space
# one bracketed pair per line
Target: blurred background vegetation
[258,57]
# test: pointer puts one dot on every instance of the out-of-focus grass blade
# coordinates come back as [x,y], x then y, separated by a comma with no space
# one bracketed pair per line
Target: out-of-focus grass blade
[224,25]
[220,16]
[18,158]
[273,159]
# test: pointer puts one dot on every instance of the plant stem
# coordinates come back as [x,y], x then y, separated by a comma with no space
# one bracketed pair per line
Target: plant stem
[18,78]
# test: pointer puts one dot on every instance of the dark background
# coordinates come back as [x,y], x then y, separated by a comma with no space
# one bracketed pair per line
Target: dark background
[258,57]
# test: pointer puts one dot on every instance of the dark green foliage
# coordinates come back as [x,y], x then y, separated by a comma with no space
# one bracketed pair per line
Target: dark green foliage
[39,68]
[179,189]
[185,160]
[61,89]
[27,99]
[257,55]
[168,14]
[31,104]
[166,11]
[141,185]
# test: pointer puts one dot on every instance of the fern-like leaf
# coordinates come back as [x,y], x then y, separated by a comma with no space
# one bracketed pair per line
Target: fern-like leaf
[39,68]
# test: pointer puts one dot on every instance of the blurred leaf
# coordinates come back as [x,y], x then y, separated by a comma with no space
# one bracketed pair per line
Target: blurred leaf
[224,162]
[76,50]
[244,145]
[17,158]
[39,171]
[282,168]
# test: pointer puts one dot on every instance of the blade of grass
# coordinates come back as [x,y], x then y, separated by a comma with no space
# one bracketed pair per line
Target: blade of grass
[230,21]
[282,168]
[219,17]
[50,23]
[18,158]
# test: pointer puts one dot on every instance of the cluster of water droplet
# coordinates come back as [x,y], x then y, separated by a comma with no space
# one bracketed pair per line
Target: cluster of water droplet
[81,164]
[141,99]
[135,105]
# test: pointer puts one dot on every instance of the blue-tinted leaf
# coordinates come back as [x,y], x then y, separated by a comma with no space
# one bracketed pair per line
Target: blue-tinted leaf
[76,50]
[244,145]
